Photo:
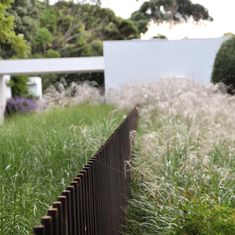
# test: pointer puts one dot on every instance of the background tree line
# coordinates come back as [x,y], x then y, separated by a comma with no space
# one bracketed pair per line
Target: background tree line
[35,29]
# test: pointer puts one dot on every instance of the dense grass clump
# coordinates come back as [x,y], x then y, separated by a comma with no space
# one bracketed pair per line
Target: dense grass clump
[39,156]
[183,174]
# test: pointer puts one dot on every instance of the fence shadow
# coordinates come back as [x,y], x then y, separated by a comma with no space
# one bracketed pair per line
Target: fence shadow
[93,203]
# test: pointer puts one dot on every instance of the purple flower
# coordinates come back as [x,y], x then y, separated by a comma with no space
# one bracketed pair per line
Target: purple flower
[20,105]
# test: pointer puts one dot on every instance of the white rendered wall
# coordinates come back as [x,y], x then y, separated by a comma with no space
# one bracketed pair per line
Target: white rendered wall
[5,93]
[128,62]
[2,100]
[35,86]
[8,93]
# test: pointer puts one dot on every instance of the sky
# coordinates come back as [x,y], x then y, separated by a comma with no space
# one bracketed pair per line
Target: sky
[221,11]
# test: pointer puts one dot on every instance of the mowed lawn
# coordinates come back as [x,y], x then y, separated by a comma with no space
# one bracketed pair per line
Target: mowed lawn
[41,153]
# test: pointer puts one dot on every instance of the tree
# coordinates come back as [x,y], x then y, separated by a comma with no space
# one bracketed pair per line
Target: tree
[26,18]
[176,11]
[43,39]
[160,36]
[79,29]
[224,69]
[11,44]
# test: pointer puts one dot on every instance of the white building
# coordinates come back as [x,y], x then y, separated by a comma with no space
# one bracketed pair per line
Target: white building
[139,60]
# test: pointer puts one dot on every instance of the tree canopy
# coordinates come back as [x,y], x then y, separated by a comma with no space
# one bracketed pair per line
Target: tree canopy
[176,11]
[65,29]
[81,28]
[224,69]
[11,43]
[69,29]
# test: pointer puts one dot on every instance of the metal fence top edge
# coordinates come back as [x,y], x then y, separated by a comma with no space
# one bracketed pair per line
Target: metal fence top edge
[102,147]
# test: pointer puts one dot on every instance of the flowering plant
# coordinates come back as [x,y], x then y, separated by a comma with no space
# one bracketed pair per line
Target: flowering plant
[19,105]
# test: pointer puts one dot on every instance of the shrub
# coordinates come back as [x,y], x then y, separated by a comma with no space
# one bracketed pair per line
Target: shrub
[19,105]
[224,69]
[205,217]
[52,54]
[18,86]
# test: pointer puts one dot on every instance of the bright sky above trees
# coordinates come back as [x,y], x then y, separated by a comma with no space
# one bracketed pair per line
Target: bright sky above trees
[221,11]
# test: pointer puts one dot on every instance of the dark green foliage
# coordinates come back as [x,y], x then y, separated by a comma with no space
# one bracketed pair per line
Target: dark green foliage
[78,30]
[224,69]
[168,10]
[18,86]
[71,29]
[26,15]
[128,29]
[81,28]
[42,40]
[49,19]
[11,44]
[201,217]
[160,36]
[52,54]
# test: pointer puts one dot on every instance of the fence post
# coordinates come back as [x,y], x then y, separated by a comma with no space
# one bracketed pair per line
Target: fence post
[53,213]
[63,201]
[76,205]
[71,189]
[47,223]
[67,194]
[39,230]
[58,205]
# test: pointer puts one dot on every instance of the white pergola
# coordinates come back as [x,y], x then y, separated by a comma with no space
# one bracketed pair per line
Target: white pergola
[44,66]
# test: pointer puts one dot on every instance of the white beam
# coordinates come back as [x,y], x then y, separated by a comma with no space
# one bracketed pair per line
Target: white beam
[55,66]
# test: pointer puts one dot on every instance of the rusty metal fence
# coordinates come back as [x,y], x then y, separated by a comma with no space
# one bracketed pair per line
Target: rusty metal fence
[93,203]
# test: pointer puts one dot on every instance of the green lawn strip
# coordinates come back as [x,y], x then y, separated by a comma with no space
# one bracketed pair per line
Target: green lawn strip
[41,153]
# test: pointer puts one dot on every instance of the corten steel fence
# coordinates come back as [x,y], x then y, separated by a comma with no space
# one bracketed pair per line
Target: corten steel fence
[93,203]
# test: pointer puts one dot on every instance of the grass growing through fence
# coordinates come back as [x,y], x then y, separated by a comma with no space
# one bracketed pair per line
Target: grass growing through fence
[40,154]
[184,169]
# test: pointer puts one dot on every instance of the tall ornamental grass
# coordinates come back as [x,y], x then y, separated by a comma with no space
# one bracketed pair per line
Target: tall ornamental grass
[184,168]
[40,154]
